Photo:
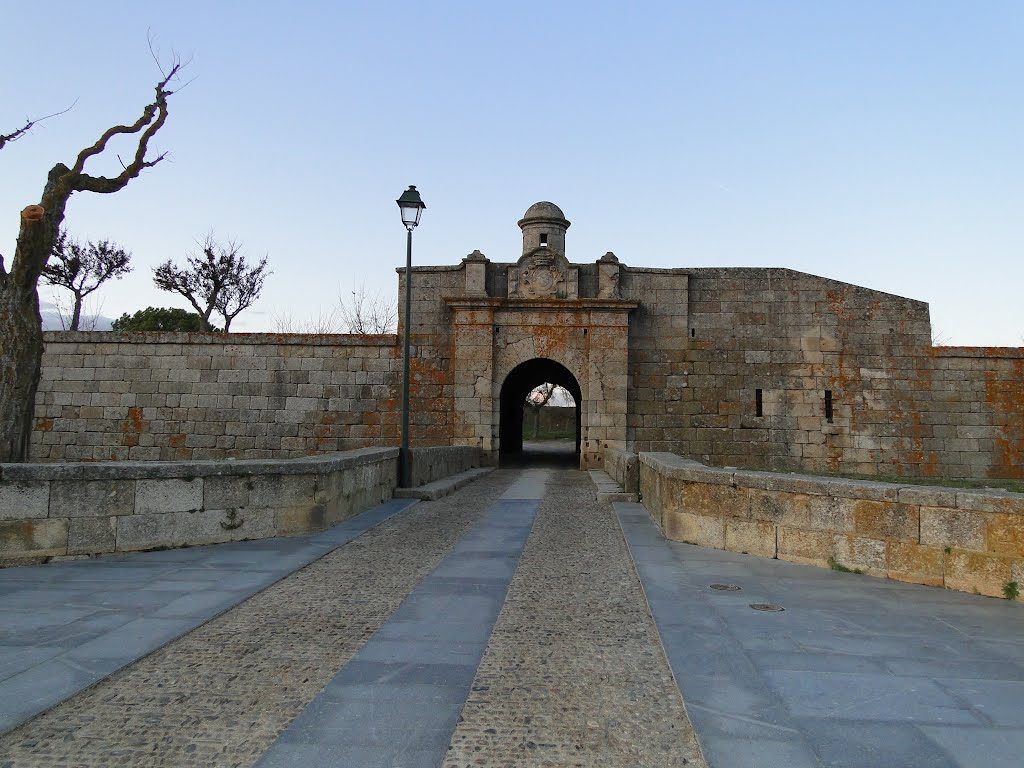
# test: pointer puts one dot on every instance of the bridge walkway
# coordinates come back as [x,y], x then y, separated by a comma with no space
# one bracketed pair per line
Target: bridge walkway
[517,622]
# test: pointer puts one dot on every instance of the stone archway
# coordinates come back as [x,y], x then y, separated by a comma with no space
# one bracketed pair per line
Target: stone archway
[514,389]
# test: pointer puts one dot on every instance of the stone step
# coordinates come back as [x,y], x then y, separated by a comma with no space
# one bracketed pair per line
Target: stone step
[438,488]
[608,489]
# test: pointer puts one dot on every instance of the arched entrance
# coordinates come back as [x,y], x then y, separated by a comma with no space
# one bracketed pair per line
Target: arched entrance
[520,381]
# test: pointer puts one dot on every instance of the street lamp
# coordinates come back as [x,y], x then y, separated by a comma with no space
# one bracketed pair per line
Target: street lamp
[411,207]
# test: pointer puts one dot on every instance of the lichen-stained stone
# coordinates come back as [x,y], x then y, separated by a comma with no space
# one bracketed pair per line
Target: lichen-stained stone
[884,520]
[33,538]
[789,509]
[954,528]
[724,500]
[88,498]
[289,490]
[976,572]
[1004,534]
[831,514]
[168,495]
[916,563]
[752,537]
[22,500]
[226,492]
[695,529]
[91,535]
[861,552]
[807,547]
[991,500]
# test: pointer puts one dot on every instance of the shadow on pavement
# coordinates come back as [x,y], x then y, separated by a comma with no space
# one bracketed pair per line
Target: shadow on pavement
[558,454]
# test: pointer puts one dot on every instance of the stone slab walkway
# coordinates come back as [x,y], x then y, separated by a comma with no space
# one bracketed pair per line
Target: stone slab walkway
[856,672]
[67,625]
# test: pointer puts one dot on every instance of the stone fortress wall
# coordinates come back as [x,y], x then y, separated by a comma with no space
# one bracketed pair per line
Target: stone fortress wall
[750,368]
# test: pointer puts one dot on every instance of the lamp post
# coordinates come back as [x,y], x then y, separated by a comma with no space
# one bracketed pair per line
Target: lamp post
[411,207]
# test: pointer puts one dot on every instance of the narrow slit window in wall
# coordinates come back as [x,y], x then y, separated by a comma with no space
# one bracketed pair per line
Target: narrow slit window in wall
[693,333]
[759,401]
[828,405]
[544,238]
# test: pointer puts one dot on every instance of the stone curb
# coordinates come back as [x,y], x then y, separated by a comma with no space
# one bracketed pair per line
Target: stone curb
[435,490]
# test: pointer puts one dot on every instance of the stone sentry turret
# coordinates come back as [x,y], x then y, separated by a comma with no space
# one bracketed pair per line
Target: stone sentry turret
[543,272]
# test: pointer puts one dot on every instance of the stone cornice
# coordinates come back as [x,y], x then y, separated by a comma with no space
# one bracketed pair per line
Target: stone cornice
[565,305]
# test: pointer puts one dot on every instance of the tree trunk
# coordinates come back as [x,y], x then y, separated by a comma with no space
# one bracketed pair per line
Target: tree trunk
[76,316]
[21,351]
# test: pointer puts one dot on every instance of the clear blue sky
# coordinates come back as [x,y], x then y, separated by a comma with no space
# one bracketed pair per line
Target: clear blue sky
[873,142]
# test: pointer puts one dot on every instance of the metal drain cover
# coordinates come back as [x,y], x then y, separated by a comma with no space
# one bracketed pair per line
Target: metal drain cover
[767,607]
[726,587]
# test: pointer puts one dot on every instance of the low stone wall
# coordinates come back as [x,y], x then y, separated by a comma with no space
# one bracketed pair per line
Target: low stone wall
[967,540]
[430,464]
[623,467]
[52,510]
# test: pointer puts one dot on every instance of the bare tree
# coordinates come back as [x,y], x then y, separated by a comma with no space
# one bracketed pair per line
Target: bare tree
[8,138]
[21,335]
[363,312]
[217,279]
[82,269]
[537,398]
[324,322]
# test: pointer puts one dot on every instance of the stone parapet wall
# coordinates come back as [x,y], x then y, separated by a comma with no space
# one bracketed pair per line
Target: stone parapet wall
[55,510]
[623,467]
[430,464]
[967,540]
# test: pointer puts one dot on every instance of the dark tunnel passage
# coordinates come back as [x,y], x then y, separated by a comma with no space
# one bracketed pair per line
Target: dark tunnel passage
[520,381]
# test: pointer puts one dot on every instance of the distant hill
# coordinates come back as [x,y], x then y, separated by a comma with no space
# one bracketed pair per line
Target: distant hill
[51,319]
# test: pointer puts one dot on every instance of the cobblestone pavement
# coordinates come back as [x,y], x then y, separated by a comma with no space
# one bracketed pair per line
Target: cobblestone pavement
[574,674]
[220,695]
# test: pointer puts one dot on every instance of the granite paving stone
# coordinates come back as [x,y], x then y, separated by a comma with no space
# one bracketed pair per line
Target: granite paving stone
[856,672]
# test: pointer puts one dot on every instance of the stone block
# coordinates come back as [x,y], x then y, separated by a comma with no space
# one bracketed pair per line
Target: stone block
[282,490]
[885,520]
[927,496]
[226,492]
[92,498]
[957,529]
[1004,534]
[92,535]
[828,513]
[789,509]
[136,532]
[916,563]
[695,529]
[983,574]
[24,499]
[753,537]
[802,546]
[990,501]
[718,500]
[300,519]
[154,497]
[33,537]
[861,552]
[217,525]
